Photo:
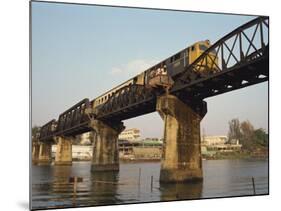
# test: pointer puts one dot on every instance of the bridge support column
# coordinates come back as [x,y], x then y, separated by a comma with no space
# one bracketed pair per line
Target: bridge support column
[181,155]
[105,146]
[64,151]
[45,154]
[35,152]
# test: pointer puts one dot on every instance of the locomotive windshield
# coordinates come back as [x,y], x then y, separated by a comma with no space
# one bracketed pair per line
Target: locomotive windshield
[204,48]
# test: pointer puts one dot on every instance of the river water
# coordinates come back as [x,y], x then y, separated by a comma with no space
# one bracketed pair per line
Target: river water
[51,189]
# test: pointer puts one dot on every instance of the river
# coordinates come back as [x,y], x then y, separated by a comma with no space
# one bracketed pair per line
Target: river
[51,189]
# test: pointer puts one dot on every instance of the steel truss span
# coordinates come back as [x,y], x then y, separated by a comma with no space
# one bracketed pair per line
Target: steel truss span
[243,57]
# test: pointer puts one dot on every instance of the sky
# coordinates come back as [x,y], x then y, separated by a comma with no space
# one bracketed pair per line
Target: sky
[81,51]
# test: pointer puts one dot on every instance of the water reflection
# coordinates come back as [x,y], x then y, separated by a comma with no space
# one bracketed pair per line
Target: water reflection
[181,191]
[139,182]
[61,190]
[104,187]
[61,175]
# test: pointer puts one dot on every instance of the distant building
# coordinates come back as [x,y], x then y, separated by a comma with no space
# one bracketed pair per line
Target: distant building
[130,135]
[151,139]
[85,138]
[234,142]
[139,150]
[78,152]
[212,144]
[214,140]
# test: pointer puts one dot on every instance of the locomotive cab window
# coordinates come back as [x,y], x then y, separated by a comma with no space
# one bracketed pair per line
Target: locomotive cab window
[177,56]
[203,47]
[135,80]
[171,59]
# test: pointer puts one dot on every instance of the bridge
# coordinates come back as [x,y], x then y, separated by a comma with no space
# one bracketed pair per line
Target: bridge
[237,60]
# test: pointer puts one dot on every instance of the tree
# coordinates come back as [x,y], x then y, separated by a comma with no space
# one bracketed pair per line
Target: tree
[248,136]
[234,130]
[248,140]
[261,138]
[34,131]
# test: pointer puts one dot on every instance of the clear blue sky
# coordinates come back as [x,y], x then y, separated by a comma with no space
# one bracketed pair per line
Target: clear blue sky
[82,51]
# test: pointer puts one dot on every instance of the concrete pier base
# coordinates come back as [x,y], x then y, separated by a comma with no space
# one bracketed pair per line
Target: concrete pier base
[105,146]
[64,151]
[181,158]
[35,152]
[45,154]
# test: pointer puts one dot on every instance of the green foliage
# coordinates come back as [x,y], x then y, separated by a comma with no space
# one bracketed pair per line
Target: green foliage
[261,138]
[35,130]
[249,137]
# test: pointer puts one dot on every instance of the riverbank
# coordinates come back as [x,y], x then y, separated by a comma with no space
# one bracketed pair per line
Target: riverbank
[237,155]
[153,154]
[217,156]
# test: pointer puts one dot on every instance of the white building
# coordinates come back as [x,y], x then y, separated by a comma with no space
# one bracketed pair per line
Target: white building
[214,140]
[219,143]
[79,152]
[234,142]
[85,139]
[130,135]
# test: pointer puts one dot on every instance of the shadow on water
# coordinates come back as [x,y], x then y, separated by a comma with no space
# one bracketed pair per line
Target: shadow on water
[61,190]
[61,175]
[55,190]
[181,191]
[96,188]
[104,188]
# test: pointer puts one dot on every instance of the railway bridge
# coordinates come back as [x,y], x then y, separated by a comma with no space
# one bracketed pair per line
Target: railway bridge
[241,59]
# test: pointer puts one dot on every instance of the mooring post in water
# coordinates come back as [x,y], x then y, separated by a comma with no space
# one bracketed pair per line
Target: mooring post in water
[177,194]
[139,181]
[254,187]
[151,184]
[75,180]
[139,177]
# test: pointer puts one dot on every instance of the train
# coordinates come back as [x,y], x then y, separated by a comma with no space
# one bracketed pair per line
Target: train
[161,74]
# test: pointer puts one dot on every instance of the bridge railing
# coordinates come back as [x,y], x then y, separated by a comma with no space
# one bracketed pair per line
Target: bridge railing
[124,98]
[242,46]
[47,130]
[73,117]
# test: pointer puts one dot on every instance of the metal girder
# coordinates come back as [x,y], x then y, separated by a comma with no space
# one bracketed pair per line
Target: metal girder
[47,130]
[71,122]
[128,102]
[242,47]
[225,82]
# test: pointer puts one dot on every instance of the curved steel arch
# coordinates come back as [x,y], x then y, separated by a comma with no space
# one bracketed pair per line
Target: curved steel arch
[234,50]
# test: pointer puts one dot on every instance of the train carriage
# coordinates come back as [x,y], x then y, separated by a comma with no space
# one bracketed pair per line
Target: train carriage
[161,74]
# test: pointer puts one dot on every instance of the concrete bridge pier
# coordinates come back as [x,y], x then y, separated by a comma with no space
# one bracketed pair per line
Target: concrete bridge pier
[35,152]
[45,153]
[105,146]
[181,158]
[64,151]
